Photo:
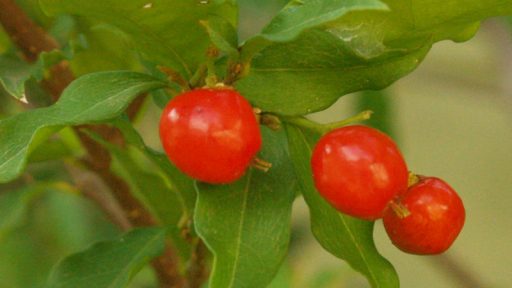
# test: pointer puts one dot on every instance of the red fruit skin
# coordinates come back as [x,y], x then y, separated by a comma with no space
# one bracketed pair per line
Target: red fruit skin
[211,135]
[436,218]
[358,170]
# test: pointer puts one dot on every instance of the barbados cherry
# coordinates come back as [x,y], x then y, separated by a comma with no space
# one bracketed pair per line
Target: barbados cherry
[358,170]
[434,216]
[211,135]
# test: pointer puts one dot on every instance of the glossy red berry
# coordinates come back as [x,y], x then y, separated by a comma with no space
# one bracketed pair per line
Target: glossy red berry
[358,170]
[211,135]
[436,216]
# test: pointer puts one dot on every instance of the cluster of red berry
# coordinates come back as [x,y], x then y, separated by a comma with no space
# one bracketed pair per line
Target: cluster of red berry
[212,135]
[360,171]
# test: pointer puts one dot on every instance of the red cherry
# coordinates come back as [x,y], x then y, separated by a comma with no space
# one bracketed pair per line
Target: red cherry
[358,170]
[436,216]
[210,134]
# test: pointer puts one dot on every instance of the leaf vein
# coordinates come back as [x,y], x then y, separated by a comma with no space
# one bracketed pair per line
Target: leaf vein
[239,232]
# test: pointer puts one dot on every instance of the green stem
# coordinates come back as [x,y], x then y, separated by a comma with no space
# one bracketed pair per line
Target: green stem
[413,179]
[198,77]
[302,122]
[399,209]
[325,128]
[211,77]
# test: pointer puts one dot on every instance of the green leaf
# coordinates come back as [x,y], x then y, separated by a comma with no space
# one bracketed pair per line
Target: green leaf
[89,99]
[247,224]
[109,264]
[222,34]
[312,72]
[13,74]
[419,20]
[284,277]
[300,15]
[345,237]
[364,49]
[165,32]
[100,47]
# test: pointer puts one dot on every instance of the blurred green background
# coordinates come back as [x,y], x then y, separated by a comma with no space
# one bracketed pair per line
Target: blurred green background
[451,117]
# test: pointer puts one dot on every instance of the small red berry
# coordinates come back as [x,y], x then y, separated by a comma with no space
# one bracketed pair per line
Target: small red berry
[211,135]
[358,170]
[436,216]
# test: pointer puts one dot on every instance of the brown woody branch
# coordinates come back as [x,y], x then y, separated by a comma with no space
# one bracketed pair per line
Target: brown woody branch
[27,35]
[32,40]
[197,272]
[93,188]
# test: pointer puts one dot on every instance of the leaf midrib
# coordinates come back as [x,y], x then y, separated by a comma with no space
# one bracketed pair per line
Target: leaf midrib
[240,228]
[361,252]
[13,157]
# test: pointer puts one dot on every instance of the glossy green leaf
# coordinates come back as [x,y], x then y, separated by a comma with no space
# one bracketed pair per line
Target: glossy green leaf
[90,99]
[162,31]
[312,72]
[419,21]
[300,15]
[109,264]
[364,49]
[246,224]
[222,34]
[345,237]
[100,47]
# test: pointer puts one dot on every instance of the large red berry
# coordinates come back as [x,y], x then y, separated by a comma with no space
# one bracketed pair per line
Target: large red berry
[436,216]
[358,170]
[210,134]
